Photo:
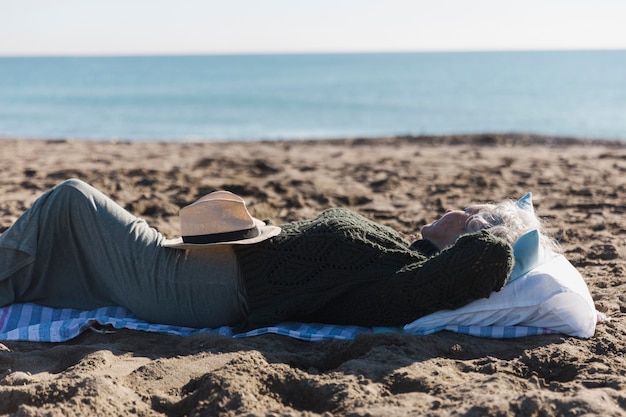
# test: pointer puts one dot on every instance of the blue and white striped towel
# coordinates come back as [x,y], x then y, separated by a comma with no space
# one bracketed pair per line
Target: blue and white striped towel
[35,323]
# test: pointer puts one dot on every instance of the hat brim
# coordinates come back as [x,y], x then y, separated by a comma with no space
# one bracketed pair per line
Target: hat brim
[265,230]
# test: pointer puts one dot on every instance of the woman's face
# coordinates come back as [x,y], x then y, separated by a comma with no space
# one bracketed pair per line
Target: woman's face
[447,229]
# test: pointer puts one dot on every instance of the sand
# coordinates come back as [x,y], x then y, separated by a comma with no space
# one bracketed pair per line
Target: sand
[579,187]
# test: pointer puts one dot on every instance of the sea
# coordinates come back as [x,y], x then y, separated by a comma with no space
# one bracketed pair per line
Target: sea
[314,96]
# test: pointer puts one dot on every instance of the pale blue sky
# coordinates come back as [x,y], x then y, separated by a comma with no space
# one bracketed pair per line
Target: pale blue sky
[95,27]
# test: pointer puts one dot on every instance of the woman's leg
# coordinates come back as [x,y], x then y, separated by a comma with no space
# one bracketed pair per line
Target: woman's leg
[66,250]
[76,248]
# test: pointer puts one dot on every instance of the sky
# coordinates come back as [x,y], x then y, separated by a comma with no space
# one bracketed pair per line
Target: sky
[163,27]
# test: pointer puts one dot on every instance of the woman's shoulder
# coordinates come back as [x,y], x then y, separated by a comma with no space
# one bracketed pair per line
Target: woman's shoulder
[425,247]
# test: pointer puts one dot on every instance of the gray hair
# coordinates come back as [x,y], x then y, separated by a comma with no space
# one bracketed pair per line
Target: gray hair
[509,221]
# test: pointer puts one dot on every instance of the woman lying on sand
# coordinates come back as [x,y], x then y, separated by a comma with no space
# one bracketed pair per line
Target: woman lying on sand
[76,248]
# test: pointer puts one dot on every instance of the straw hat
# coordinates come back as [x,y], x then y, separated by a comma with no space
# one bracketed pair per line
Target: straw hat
[219,218]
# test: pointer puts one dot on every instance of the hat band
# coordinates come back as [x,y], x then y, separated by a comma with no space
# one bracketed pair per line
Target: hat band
[222,237]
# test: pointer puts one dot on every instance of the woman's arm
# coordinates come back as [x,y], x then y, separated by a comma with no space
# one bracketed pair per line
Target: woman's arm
[471,269]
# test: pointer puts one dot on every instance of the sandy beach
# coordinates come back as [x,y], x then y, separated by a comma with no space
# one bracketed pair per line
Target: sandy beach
[578,185]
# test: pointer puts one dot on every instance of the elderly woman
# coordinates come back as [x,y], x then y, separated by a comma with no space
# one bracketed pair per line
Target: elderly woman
[76,248]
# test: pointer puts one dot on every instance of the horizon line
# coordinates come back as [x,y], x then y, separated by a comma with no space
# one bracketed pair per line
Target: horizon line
[295,53]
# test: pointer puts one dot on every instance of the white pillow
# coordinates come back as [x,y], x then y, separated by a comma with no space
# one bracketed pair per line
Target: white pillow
[552,295]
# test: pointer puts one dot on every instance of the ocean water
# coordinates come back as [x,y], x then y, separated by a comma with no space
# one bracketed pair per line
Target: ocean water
[248,97]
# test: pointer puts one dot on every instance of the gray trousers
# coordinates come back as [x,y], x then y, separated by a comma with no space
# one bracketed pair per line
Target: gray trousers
[77,248]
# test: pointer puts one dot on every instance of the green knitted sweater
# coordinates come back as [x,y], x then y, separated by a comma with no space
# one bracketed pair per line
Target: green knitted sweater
[342,268]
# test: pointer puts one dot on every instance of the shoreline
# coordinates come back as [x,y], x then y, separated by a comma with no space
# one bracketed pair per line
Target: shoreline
[404,182]
[443,139]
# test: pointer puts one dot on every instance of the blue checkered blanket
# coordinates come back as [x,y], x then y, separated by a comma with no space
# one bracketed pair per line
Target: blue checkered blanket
[35,323]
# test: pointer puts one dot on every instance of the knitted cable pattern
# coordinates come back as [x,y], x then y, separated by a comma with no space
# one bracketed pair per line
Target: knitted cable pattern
[342,268]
